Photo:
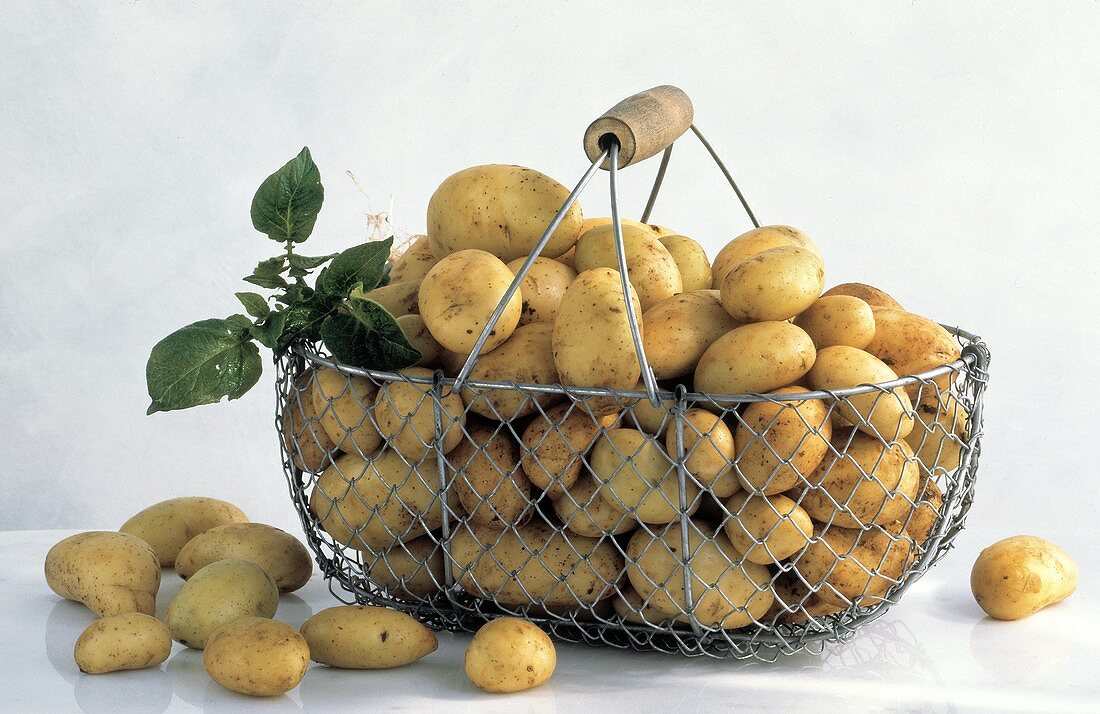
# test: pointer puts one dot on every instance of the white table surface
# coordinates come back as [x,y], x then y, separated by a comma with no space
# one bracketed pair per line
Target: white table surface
[935,651]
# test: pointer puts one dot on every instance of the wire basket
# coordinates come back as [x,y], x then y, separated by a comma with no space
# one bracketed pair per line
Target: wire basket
[634,519]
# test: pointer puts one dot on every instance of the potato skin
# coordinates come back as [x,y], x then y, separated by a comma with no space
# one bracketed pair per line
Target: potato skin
[411,570]
[412,265]
[708,449]
[634,474]
[838,320]
[129,640]
[256,656]
[488,481]
[502,210]
[542,288]
[217,594]
[776,284]
[509,655]
[110,573]
[923,519]
[691,259]
[418,335]
[404,413]
[527,357]
[365,637]
[399,299]
[554,447]
[910,344]
[940,431]
[839,564]
[1018,576]
[342,403]
[867,293]
[767,529]
[779,444]
[168,525]
[459,295]
[679,330]
[280,554]
[757,358]
[582,511]
[304,438]
[756,241]
[890,414]
[651,268]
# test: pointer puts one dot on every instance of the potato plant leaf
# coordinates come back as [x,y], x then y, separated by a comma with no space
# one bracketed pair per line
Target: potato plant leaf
[286,205]
[367,336]
[200,364]
[254,304]
[364,264]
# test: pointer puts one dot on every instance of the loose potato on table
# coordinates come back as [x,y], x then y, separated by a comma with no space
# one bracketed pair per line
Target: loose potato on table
[554,446]
[217,594]
[509,655]
[502,210]
[651,268]
[757,358]
[488,480]
[846,565]
[756,241]
[779,444]
[542,288]
[256,656]
[280,554]
[365,637]
[767,529]
[867,293]
[691,259]
[1018,576]
[404,413]
[412,265]
[888,415]
[459,295]
[168,525]
[527,357]
[343,403]
[633,473]
[111,573]
[582,511]
[678,330]
[129,640]
[838,320]
[776,284]
[910,344]
[708,447]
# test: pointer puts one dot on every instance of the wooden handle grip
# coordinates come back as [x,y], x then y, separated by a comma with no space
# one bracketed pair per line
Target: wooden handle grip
[644,124]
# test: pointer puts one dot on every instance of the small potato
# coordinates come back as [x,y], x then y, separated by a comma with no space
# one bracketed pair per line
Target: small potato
[365,637]
[679,330]
[527,357]
[755,358]
[343,404]
[459,295]
[1018,576]
[888,415]
[779,444]
[653,420]
[651,268]
[168,525]
[129,640]
[399,299]
[410,570]
[412,265]
[691,259]
[634,474]
[838,320]
[110,573]
[940,432]
[488,480]
[597,221]
[280,554]
[708,450]
[404,413]
[542,288]
[846,565]
[767,529]
[256,656]
[867,293]
[924,517]
[582,511]
[554,447]
[219,593]
[510,655]
[910,344]
[776,284]
[304,438]
[756,241]
[418,335]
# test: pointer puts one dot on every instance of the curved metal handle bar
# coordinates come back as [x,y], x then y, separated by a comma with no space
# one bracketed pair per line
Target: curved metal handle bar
[726,173]
[657,181]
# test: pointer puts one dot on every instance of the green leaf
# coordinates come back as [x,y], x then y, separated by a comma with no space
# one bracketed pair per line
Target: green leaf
[364,263]
[368,337]
[254,304]
[268,332]
[244,322]
[271,283]
[200,364]
[286,205]
[271,267]
[305,262]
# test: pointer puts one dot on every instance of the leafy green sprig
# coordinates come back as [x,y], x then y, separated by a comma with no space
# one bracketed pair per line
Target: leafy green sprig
[215,358]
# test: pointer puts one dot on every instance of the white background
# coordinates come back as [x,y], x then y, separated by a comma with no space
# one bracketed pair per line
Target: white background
[946,152]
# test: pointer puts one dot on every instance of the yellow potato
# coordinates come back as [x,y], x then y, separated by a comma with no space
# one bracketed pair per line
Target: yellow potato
[365,637]
[256,656]
[404,413]
[680,329]
[795,603]
[779,444]
[526,358]
[412,265]
[224,591]
[596,221]
[566,258]
[708,449]
[1018,576]
[888,415]
[503,210]
[280,554]
[910,344]
[488,481]
[653,420]
[110,573]
[168,525]
[755,358]
[410,570]
[634,474]
[940,432]
[304,438]
[343,404]
[542,288]
[630,607]
[651,268]
[554,447]
[691,259]
[838,320]
[924,517]
[129,640]
[767,529]
[399,299]
[582,511]
[459,295]
[418,335]
[776,284]
[756,241]
[867,293]
[509,655]
[451,362]
[846,565]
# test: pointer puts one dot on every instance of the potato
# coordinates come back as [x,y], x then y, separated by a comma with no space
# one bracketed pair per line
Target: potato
[459,295]
[219,593]
[534,564]
[755,358]
[554,447]
[526,358]
[542,288]
[592,343]
[867,293]
[846,565]
[509,655]
[725,593]
[633,473]
[779,444]
[651,268]
[168,525]
[304,438]
[630,607]
[129,640]
[870,482]
[924,517]
[794,602]
[910,344]
[343,403]
[372,504]
[708,449]
[756,241]
[488,480]
[767,529]
[365,637]
[691,259]
[582,511]
[399,299]
[412,265]
[940,432]
[110,573]
[566,258]
[280,554]
[679,330]
[1018,576]
[776,284]
[888,415]
[410,570]
[418,335]
[653,420]
[256,656]
[452,362]
[404,413]
[838,320]
[597,221]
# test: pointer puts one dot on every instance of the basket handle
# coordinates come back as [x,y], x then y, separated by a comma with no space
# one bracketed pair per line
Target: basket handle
[643,124]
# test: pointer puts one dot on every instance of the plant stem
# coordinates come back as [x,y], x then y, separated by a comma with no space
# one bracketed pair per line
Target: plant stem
[289,252]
